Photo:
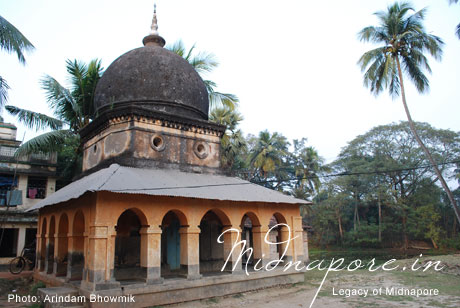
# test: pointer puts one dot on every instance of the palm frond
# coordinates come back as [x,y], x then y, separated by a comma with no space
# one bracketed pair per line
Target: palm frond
[4,87]
[60,99]
[44,143]
[33,119]
[223,99]
[13,41]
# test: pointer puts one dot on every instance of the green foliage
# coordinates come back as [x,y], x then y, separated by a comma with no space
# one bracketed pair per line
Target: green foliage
[72,108]
[387,170]
[402,36]
[11,41]
[204,63]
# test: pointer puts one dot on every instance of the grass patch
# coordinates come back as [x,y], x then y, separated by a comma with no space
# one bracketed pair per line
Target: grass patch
[212,300]
[239,295]
[34,288]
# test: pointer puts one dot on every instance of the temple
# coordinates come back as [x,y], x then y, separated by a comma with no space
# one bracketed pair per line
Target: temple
[145,217]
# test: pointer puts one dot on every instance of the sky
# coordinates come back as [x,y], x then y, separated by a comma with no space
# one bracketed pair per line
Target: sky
[291,63]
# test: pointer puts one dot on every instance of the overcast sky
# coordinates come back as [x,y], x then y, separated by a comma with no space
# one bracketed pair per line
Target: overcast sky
[291,63]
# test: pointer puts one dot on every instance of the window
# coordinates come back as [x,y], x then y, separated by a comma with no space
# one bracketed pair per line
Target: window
[36,187]
[6,184]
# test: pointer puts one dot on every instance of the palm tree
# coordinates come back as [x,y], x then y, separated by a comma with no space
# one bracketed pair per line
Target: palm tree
[404,41]
[268,153]
[203,63]
[457,31]
[73,108]
[307,167]
[12,41]
[233,143]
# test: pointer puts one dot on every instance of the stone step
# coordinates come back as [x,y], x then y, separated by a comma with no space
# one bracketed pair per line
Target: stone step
[59,297]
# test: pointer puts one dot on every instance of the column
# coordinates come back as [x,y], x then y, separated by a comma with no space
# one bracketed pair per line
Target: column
[284,236]
[298,248]
[100,260]
[47,252]
[38,252]
[151,254]
[70,244]
[56,253]
[232,250]
[21,240]
[261,247]
[190,251]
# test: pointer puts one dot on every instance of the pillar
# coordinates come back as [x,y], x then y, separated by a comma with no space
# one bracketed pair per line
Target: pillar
[100,254]
[190,251]
[261,247]
[38,254]
[56,253]
[298,245]
[232,251]
[21,240]
[48,264]
[284,236]
[151,254]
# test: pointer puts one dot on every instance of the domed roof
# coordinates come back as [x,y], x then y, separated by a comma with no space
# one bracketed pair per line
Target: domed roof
[154,78]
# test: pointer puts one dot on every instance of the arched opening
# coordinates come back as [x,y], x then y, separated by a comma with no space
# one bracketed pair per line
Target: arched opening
[42,252]
[276,236]
[211,252]
[77,256]
[248,222]
[50,247]
[61,260]
[171,245]
[127,265]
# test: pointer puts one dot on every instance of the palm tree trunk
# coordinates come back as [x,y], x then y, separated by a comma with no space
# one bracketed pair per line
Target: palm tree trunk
[428,154]
[380,219]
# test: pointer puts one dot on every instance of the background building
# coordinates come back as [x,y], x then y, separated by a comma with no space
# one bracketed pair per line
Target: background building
[24,181]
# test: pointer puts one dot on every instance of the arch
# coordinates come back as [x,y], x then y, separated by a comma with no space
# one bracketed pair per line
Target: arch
[63,242]
[127,257]
[277,235]
[171,239]
[248,222]
[42,252]
[253,217]
[50,246]
[211,252]
[76,253]
[223,217]
[180,215]
[279,218]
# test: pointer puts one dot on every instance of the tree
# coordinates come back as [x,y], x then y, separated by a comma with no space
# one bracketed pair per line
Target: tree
[12,41]
[404,42]
[73,109]
[457,31]
[233,143]
[203,63]
[308,165]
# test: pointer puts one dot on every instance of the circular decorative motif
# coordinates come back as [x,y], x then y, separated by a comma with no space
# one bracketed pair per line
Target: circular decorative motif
[158,143]
[201,149]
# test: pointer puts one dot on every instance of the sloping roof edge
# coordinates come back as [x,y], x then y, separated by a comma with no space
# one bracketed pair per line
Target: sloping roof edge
[167,182]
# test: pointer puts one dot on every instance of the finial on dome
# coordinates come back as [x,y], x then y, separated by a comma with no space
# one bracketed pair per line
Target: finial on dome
[154,27]
[154,39]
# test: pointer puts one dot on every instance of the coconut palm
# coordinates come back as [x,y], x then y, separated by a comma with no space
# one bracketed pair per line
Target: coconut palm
[73,108]
[233,143]
[404,43]
[307,167]
[203,63]
[268,153]
[12,41]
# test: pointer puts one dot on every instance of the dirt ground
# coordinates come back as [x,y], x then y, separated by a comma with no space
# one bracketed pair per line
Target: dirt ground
[447,282]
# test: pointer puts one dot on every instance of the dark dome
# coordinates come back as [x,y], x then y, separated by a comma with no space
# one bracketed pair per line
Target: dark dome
[154,78]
